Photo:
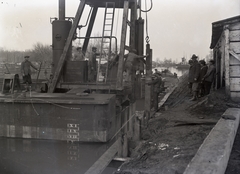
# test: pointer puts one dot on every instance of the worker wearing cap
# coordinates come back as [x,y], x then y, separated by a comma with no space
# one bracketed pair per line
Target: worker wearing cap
[26,70]
[78,55]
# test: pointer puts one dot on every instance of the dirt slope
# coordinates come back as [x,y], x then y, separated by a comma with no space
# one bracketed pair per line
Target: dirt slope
[173,136]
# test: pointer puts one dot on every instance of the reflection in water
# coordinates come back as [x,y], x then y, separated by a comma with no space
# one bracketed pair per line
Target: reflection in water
[47,157]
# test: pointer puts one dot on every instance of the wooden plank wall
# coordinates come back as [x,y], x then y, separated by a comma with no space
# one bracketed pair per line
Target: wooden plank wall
[234,61]
[226,58]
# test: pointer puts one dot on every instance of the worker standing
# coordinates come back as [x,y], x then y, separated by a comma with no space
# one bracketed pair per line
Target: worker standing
[190,62]
[194,73]
[78,55]
[203,71]
[157,83]
[209,77]
[132,62]
[26,71]
[92,65]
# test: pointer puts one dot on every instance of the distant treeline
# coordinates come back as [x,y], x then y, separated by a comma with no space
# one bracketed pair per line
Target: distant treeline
[39,53]
[10,60]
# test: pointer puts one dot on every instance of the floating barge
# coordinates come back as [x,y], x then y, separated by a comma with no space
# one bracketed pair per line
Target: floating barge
[57,116]
[66,111]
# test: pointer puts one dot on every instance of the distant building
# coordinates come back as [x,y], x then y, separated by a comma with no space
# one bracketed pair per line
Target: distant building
[226,53]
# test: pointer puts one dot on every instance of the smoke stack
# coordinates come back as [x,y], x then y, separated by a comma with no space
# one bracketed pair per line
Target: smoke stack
[61,9]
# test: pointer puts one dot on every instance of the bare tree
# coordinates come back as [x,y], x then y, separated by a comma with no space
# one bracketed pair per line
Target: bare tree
[41,53]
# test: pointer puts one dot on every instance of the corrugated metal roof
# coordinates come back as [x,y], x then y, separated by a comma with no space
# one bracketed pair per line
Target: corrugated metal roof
[217,28]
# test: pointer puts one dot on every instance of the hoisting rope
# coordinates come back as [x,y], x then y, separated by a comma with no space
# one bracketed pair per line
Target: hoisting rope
[146,11]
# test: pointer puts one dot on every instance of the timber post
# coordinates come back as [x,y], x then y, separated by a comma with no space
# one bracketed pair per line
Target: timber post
[148,87]
[122,45]
[227,57]
[125,131]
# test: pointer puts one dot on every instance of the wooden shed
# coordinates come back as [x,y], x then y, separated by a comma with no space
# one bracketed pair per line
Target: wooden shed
[226,52]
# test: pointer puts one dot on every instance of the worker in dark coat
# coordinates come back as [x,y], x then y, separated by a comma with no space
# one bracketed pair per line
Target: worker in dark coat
[92,65]
[209,76]
[156,82]
[190,62]
[26,70]
[203,71]
[194,73]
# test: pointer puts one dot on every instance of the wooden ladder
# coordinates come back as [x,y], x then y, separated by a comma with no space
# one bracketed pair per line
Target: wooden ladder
[106,43]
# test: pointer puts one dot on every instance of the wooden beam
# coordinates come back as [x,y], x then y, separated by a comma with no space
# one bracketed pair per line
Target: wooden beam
[147,104]
[122,45]
[125,132]
[62,59]
[133,24]
[89,30]
[99,166]
[213,155]
[161,103]
[227,60]
[234,54]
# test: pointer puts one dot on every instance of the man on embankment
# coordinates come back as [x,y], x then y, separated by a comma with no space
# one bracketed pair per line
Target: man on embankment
[194,73]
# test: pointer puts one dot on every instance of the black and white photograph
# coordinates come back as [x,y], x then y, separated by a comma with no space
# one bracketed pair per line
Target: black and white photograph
[119,87]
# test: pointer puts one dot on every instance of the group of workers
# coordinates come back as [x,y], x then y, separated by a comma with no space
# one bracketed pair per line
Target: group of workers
[201,77]
[133,63]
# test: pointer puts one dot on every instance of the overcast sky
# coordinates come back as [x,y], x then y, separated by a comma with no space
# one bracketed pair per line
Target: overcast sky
[177,28]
